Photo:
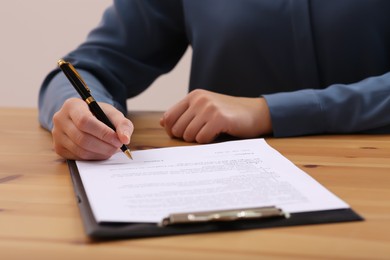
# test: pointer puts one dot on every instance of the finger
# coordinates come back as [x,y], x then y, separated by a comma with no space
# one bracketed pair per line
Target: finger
[87,123]
[79,153]
[173,114]
[65,147]
[208,133]
[124,131]
[70,141]
[124,127]
[192,129]
[83,145]
[182,123]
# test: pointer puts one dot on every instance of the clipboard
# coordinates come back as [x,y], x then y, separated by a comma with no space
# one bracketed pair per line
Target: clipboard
[110,230]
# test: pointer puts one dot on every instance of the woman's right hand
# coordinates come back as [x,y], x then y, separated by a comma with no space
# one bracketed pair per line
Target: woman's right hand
[79,135]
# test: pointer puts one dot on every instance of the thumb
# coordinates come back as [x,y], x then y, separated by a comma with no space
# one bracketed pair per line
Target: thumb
[124,130]
[162,122]
[124,127]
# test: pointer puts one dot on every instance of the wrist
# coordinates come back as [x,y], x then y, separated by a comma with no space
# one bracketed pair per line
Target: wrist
[264,122]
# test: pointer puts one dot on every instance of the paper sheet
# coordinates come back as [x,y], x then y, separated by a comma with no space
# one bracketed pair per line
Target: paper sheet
[228,175]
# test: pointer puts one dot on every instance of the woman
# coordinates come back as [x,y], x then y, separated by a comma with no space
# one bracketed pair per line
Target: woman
[259,67]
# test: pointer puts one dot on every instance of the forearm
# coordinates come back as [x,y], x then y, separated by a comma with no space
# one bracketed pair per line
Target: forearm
[56,89]
[340,108]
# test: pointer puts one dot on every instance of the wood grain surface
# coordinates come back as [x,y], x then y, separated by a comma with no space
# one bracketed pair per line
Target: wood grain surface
[39,218]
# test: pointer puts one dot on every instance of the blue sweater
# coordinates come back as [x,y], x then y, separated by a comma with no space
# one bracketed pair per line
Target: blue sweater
[322,66]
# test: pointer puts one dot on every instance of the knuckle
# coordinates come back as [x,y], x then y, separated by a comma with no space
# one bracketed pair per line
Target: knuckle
[176,132]
[82,154]
[199,97]
[57,144]
[207,135]
[54,132]
[202,99]
[82,121]
[188,136]
[168,120]
[202,139]
[105,134]
[211,108]
[63,151]
[198,92]
[81,140]
[60,150]
[56,118]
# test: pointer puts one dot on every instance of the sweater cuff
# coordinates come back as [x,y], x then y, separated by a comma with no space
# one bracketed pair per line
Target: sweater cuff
[57,89]
[295,113]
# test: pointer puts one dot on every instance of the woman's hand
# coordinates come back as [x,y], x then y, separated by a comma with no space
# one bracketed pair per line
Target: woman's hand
[79,135]
[202,115]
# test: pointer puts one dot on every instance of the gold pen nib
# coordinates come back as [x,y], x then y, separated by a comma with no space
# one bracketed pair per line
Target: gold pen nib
[128,153]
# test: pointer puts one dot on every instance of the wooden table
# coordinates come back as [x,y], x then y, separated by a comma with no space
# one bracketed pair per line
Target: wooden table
[39,217]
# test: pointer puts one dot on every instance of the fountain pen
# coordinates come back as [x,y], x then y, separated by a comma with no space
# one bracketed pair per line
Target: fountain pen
[81,87]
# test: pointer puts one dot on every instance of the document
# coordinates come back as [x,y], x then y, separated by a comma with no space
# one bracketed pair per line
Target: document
[228,175]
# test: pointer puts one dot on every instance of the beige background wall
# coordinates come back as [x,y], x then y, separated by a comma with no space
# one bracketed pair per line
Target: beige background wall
[34,34]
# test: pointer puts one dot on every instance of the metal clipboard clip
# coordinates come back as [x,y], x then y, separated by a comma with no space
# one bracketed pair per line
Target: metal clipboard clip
[223,215]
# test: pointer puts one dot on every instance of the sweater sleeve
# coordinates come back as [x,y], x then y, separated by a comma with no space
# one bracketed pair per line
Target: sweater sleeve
[362,107]
[136,41]
[57,90]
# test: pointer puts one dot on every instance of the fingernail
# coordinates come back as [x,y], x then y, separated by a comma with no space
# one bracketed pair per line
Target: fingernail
[127,134]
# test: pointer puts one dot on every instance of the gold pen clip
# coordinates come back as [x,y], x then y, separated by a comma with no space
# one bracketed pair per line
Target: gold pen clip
[62,62]
[223,215]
